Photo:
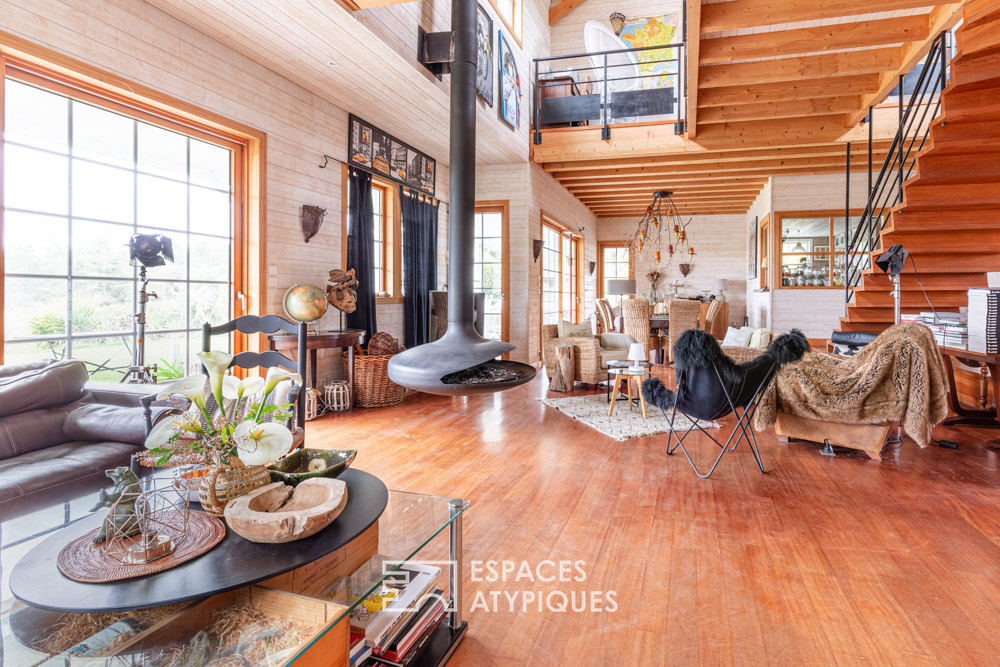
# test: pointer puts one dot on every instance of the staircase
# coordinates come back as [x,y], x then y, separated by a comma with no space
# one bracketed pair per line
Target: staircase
[949,220]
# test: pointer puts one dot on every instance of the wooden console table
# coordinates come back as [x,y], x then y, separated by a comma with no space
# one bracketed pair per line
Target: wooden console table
[322,340]
[972,416]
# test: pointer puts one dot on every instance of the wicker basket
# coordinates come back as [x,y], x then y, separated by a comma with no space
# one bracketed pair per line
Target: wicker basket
[372,386]
[223,483]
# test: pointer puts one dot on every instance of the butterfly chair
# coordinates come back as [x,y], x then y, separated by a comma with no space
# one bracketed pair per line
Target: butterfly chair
[269,324]
[710,386]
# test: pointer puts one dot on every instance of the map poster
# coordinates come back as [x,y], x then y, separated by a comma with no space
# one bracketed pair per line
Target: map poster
[659,65]
[375,151]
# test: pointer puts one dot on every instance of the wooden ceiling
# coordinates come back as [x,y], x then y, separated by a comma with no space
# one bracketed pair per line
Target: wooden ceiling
[774,88]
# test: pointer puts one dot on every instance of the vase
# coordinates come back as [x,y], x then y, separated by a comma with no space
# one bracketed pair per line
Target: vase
[225,482]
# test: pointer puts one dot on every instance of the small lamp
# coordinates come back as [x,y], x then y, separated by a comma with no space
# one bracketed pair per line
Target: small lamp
[621,287]
[636,353]
[721,285]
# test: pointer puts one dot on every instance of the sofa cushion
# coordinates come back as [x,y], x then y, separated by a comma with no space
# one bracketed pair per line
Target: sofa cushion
[58,383]
[37,480]
[613,355]
[616,341]
[32,430]
[758,337]
[572,330]
[96,422]
[16,369]
[737,337]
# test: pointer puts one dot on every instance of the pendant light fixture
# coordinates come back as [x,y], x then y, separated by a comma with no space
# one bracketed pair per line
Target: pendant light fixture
[661,219]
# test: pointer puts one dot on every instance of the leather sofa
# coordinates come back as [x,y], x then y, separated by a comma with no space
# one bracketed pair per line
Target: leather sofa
[57,438]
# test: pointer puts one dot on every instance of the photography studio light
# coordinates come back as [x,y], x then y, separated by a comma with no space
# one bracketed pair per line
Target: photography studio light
[145,250]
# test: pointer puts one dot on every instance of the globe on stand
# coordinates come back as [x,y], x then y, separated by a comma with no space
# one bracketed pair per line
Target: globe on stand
[305,303]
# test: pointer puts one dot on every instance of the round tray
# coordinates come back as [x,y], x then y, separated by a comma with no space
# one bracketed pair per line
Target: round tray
[82,560]
[234,563]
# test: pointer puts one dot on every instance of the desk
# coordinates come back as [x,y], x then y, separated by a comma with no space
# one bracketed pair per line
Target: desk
[319,341]
[972,416]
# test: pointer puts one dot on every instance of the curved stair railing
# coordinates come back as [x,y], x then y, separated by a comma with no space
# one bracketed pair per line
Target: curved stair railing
[886,192]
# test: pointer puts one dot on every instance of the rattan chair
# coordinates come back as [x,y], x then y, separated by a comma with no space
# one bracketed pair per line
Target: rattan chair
[605,316]
[683,316]
[635,318]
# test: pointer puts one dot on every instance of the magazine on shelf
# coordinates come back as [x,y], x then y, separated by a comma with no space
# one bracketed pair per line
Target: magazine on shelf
[411,583]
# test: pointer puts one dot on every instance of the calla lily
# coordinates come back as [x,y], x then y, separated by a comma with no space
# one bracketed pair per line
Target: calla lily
[161,434]
[189,421]
[234,389]
[192,387]
[217,363]
[260,444]
[276,374]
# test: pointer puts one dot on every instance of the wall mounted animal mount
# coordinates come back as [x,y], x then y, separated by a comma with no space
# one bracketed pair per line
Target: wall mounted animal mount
[342,293]
[311,221]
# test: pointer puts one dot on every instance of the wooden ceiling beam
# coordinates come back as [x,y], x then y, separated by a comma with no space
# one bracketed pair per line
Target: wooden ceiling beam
[714,169]
[807,89]
[714,157]
[940,19]
[647,191]
[701,201]
[783,109]
[662,182]
[700,209]
[749,13]
[562,9]
[811,40]
[801,67]
[693,39]
[732,177]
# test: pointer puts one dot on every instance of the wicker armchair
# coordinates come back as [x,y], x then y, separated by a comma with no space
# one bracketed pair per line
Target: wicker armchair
[635,318]
[590,367]
[683,316]
[605,316]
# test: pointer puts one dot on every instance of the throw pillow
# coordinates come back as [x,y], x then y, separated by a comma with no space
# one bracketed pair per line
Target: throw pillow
[736,337]
[616,341]
[570,330]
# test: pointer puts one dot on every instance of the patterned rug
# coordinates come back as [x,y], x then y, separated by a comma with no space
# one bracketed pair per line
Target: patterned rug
[592,410]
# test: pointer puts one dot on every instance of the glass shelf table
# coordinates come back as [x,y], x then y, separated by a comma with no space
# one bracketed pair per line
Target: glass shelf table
[319,596]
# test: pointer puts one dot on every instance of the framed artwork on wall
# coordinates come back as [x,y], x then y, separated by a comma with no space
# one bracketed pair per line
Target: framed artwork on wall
[510,83]
[752,250]
[484,65]
[373,150]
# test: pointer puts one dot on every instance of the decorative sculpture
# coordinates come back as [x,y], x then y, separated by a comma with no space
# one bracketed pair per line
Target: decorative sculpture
[312,220]
[121,500]
[342,293]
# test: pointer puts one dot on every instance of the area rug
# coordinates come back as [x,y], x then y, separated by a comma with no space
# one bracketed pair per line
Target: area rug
[592,410]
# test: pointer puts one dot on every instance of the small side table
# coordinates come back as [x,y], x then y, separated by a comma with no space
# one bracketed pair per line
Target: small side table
[320,340]
[971,416]
[628,376]
[621,364]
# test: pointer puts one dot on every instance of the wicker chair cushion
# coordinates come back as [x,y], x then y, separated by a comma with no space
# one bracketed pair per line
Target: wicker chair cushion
[616,341]
[612,355]
[568,329]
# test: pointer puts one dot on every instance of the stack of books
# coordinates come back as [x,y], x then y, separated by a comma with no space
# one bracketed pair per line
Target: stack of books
[983,307]
[950,329]
[390,628]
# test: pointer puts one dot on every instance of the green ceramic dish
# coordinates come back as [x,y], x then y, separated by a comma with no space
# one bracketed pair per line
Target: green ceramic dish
[294,468]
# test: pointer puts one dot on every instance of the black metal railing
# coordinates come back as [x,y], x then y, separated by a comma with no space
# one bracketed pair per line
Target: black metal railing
[917,110]
[603,92]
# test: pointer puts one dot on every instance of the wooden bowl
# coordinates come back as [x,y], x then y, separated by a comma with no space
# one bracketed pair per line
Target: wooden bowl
[278,513]
[303,464]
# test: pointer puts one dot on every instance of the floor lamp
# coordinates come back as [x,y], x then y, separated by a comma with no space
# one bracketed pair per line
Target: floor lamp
[621,288]
[892,262]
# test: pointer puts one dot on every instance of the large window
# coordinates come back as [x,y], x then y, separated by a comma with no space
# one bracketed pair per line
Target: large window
[811,249]
[381,241]
[561,288]
[81,176]
[615,264]
[387,271]
[489,267]
[510,13]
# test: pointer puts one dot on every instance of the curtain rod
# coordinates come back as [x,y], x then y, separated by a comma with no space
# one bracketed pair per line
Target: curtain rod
[412,191]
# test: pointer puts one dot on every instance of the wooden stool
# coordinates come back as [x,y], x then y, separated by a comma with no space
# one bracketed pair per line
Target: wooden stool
[565,368]
[616,382]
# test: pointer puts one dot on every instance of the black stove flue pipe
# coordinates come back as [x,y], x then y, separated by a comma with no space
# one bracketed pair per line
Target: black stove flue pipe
[461,347]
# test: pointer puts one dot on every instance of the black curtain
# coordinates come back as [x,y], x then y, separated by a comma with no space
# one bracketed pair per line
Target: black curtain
[361,250]
[420,225]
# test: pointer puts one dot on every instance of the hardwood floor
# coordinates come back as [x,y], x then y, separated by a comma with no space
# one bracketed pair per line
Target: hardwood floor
[820,561]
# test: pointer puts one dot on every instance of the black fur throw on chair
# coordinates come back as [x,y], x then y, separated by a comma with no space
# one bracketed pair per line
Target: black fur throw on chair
[700,364]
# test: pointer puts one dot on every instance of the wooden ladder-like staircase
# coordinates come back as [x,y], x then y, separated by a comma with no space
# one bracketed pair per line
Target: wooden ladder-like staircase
[949,220]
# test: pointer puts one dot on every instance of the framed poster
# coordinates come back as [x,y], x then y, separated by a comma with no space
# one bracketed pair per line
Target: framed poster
[484,64]
[752,250]
[510,84]
[373,150]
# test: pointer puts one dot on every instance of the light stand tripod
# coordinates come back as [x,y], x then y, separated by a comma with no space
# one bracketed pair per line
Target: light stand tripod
[139,372]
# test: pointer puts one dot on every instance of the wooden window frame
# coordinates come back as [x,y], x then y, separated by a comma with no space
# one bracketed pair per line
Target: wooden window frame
[778,252]
[516,22]
[764,243]
[601,245]
[578,286]
[23,60]
[502,206]
[392,235]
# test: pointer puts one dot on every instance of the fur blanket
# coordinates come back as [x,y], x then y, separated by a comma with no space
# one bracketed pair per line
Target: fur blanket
[899,376]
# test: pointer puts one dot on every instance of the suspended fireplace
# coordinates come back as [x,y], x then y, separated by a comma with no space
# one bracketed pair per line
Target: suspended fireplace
[461,362]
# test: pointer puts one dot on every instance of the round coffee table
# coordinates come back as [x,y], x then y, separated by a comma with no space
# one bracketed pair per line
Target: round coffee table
[622,364]
[628,376]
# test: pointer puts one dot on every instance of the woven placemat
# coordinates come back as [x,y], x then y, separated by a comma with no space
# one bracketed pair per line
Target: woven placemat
[82,560]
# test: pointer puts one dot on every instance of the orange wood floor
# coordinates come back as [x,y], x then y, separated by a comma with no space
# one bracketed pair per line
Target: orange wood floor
[821,561]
